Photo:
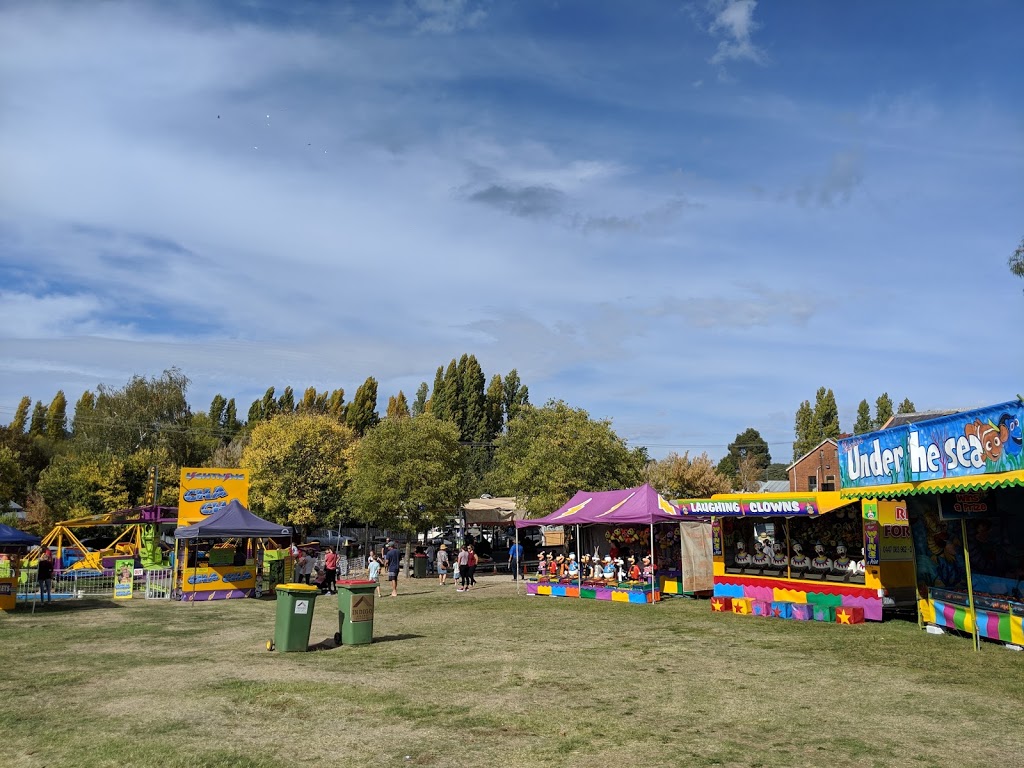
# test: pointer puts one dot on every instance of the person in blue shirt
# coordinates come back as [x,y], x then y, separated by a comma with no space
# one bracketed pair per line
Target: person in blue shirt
[515,555]
[394,563]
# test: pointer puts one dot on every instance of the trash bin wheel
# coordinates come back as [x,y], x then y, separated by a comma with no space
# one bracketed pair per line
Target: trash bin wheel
[270,645]
[337,638]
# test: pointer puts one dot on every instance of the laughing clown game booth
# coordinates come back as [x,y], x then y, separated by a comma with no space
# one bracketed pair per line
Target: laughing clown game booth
[633,518]
[960,481]
[806,555]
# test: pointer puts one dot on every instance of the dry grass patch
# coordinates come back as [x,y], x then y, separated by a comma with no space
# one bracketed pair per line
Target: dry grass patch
[495,678]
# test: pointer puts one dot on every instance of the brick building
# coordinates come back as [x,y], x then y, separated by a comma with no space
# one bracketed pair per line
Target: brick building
[816,470]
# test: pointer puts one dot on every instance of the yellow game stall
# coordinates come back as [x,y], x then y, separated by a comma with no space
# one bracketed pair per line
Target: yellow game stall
[807,555]
[13,544]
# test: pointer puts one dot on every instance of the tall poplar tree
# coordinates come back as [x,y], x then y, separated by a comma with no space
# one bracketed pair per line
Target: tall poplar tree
[495,407]
[804,429]
[438,405]
[907,406]
[38,424]
[230,424]
[516,395]
[474,420]
[826,415]
[82,422]
[883,410]
[57,417]
[451,386]
[336,408]
[419,405]
[398,406]
[20,420]
[362,414]
[286,402]
[863,423]
[216,412]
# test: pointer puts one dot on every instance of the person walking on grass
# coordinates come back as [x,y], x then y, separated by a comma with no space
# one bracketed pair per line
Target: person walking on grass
[515,555]
[471,567]
[442,565]
[374,571]
[431,555]
[463,562]
[331,571]
[394,563]
[44,575]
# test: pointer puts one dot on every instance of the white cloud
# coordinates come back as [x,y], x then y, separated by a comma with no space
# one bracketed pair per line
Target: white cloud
[734,21]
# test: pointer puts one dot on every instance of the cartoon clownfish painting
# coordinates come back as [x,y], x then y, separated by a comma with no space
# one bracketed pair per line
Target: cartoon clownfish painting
[989,437]
[1010,433]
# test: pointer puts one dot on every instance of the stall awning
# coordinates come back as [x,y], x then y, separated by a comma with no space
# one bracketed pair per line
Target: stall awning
[942,485]
[763,504]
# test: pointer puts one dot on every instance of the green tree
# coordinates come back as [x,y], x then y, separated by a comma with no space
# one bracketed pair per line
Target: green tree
[776,471]
[336,407]
[407,474]
[12,481]
[230,425]
[517,395]
[398,406]
[805,429]
[217,406]
[549,453]
[20,420]
[286,402]
[863,423]
[883,410]
[680,477]
[37,426]
[362,413]
[57,417]
[451,387]
[298,468]
[77,485]
[437,404]
[474,399]
[907,406]
[748,443]
[826,414]
[419,405]
[83,423]
[495,408]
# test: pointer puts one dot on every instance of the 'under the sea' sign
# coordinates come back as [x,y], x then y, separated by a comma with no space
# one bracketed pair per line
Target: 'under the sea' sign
[983,441]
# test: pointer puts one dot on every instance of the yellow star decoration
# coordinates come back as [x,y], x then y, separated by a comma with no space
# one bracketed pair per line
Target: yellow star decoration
[844,617]
[717,605]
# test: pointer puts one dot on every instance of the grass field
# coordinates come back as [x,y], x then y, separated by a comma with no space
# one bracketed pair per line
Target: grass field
[490,678]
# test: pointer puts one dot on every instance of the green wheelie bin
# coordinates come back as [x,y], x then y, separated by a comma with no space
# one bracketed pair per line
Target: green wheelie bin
[295,603]
[355,612]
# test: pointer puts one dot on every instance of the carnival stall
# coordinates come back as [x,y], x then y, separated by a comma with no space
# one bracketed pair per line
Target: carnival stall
[960,480]
[776,551]
[223,554]
[615,553]
[12,544]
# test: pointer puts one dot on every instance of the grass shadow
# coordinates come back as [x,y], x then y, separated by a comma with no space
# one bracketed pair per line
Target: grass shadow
[67,606]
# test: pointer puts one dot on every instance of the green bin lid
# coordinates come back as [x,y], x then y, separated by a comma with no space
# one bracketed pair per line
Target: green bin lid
[356,582]
[298,588]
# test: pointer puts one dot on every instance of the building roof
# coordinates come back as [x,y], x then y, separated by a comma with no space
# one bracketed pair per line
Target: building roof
[774,486]
[826,440]
[900,419]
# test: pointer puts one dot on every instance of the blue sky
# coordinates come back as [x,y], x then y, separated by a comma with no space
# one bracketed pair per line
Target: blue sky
[685,217]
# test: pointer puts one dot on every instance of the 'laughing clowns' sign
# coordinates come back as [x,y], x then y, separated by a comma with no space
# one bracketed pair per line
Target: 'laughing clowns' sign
[985,441]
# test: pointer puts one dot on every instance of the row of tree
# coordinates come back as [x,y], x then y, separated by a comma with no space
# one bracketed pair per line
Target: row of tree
[317,460]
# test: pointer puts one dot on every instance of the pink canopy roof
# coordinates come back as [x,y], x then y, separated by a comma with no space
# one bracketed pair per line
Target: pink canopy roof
[630,506]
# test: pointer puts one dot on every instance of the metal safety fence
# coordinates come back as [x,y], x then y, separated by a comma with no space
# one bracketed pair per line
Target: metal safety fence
[81,585]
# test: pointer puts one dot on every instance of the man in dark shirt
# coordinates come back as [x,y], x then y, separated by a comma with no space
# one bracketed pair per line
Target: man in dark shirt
[393,560]
[44,576]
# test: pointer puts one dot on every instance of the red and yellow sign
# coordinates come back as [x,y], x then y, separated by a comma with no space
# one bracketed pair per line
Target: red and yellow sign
[204,491]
